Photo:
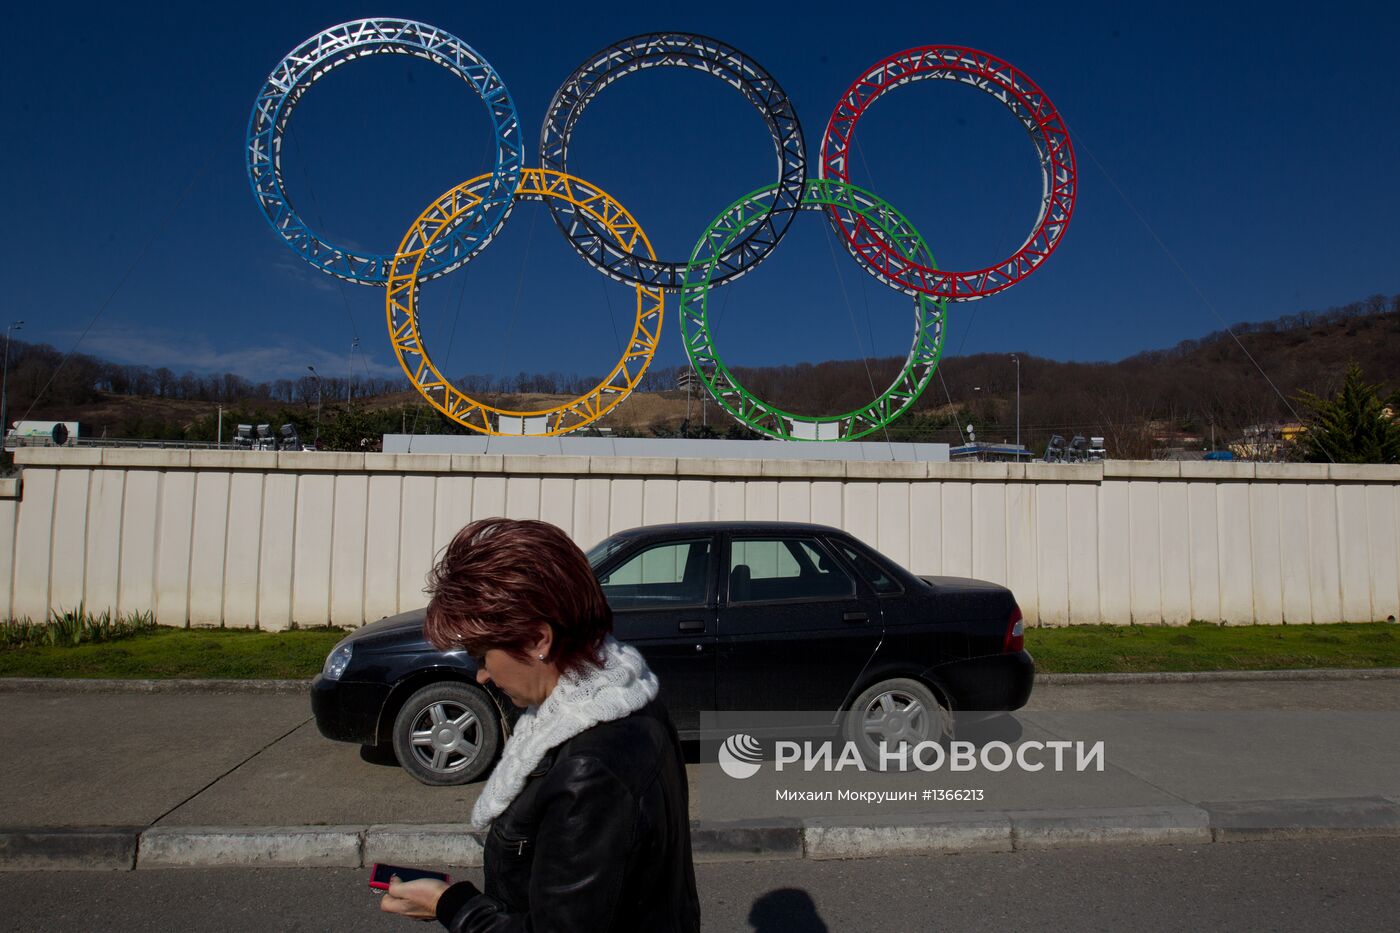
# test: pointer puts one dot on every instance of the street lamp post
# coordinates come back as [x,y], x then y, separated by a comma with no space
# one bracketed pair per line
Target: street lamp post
[350,372]
[5,386]
[1018,406]
[316,441]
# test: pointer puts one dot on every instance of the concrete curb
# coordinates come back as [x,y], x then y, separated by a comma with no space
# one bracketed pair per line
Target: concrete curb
[252,847]
[817,838]
[92,848]
[294,687]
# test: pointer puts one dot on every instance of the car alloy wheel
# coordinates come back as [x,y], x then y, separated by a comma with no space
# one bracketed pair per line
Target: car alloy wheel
[894,714]
[447,733]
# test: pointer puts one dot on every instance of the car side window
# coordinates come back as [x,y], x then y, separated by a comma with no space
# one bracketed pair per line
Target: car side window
[874,574]
[662,576]
[762,569]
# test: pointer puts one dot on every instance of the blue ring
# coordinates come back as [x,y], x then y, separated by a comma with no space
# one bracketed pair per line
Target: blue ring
[311,61]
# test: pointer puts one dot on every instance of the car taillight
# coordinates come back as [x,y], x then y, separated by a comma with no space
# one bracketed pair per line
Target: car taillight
[1015,633]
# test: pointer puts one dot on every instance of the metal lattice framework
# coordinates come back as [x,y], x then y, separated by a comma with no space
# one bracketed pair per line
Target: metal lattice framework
[462,205]
[850,203]
[703,54]
[455,227]
[1031,107]
[313,60]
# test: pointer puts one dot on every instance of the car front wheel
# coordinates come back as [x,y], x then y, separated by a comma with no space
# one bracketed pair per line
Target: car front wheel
[447,733]
[895,715]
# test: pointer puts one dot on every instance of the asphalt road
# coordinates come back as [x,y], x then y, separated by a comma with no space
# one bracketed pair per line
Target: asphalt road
[1336,884]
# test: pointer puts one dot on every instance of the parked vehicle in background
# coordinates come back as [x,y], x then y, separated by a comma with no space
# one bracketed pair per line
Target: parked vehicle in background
[730,616]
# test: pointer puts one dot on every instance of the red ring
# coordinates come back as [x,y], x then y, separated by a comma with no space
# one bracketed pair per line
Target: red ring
[1026,101]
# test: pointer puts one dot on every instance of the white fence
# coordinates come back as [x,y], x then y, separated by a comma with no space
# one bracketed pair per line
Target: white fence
[268,539]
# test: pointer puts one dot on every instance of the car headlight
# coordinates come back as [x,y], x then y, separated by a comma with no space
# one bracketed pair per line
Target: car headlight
[337,661]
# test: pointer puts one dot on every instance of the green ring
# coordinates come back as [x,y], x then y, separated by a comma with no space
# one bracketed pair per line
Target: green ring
[731,395]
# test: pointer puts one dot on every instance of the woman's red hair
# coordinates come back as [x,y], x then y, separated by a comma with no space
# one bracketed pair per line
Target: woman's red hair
[500,578]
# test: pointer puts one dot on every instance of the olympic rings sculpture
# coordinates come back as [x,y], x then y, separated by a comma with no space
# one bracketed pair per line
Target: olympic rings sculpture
[460,223]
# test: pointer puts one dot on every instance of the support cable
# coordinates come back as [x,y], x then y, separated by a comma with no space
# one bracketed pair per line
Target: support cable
[1200,293]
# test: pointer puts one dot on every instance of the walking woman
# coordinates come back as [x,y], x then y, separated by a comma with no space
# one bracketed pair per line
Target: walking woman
[586,814]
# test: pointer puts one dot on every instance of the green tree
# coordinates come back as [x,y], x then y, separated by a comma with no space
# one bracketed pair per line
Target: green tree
[1352,426]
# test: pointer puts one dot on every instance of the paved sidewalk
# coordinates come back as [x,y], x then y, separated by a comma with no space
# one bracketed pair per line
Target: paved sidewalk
[143,779]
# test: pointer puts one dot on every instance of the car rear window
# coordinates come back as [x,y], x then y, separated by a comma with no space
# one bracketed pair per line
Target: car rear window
[880,581]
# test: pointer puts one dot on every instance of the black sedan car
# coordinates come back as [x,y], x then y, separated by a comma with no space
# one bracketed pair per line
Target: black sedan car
[730,616]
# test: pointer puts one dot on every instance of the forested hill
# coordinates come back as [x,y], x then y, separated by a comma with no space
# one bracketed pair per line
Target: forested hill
[1192,387]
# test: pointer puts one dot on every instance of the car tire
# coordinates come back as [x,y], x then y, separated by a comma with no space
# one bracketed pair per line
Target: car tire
[900,712]
[447,733]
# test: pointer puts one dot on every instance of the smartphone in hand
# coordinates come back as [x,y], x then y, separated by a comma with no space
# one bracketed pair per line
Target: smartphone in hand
[380,875]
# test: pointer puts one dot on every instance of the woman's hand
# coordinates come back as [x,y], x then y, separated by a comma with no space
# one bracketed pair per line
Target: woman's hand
[416,899]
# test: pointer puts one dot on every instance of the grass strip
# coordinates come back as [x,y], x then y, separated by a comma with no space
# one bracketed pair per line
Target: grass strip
[238,654]
[246,654]
[1205,646]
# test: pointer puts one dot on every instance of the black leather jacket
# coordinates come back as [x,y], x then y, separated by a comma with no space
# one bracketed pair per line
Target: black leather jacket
[598,840]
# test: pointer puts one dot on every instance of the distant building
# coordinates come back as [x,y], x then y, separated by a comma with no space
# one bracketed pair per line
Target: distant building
[988,453]
[1269,441]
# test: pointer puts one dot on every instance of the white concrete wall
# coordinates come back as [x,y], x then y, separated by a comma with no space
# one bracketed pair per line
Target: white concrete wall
[269,539]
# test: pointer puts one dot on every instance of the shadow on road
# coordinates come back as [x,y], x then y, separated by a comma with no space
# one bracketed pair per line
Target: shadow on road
[379,755]
[786,910]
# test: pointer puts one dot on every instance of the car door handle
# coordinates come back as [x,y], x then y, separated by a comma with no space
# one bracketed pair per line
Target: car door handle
[855,617]
[692,625]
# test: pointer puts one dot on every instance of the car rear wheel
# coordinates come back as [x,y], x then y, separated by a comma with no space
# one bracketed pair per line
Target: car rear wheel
[896,714]
[447,733]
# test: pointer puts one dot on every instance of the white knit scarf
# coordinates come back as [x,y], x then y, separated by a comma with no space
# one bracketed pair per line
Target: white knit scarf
[623,685]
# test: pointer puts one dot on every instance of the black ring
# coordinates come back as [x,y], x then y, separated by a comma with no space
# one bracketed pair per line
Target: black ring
[686,50]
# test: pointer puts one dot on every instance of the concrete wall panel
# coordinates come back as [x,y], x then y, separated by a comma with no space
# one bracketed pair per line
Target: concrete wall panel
[1115,554]
[557,502]
[210,538]
[173,548]
[828,502]
[1324,557]
[383,524]
[348,549]
[1175,541]
[1204,553]
[925,528]
[957,529]
[625,504]
[34,545]
[659,503]
[69,539]
[1295,546]
[454,506]
[1353,541]
[795,502]
[1236,554]
[592,497]
[311,554]
[1384,551]
[9,521]
[102,562]
[417,547]
[242,552]
[277,551]
[892,510]
[140,507]
[1082,520]
[989,532]
[694,501]
[1145,540]
[1022,566]
[522,497]
[1267,555]
[761,501]
[1052,556]
[860,512]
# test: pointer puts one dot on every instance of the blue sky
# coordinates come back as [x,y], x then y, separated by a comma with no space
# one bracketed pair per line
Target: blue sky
[1258,141]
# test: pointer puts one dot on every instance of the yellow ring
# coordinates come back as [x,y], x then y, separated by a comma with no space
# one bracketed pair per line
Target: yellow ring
[401,305]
